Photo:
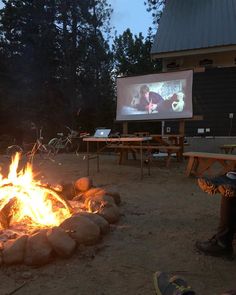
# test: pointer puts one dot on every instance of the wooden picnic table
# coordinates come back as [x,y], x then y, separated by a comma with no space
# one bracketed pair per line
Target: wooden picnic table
[200,162]
[113,143]
[228,148]
[170,140]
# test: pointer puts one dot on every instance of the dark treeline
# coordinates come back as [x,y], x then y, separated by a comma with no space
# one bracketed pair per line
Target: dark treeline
[57,68]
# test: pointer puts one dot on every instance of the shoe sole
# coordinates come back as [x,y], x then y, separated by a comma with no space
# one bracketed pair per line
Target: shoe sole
[183,285]
[226,256]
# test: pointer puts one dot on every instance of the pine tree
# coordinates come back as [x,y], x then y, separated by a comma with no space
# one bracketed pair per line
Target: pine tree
[132,54]
[87,58]
[156,8]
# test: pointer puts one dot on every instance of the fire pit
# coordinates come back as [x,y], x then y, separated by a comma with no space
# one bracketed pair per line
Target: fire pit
[40,221]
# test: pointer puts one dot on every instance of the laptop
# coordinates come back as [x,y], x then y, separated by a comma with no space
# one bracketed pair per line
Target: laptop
[102,132]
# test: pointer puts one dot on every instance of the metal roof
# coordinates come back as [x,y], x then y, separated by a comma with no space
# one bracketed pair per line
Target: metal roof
[195,24]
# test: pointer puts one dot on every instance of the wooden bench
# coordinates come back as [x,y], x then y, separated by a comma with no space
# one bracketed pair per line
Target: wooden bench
[228,148]
[149,148]
[200,162]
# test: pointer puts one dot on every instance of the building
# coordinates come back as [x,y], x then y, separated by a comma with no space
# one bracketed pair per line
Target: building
[201,35]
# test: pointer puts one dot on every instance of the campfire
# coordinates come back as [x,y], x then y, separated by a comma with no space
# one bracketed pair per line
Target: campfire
[39,221]
[26,201]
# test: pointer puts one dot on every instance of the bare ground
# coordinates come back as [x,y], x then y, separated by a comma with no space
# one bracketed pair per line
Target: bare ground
[161,218]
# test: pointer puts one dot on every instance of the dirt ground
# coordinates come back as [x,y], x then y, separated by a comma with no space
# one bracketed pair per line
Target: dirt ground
[161,218]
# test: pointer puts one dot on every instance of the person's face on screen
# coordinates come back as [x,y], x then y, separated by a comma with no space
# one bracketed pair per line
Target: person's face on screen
[146,95]
[144,91]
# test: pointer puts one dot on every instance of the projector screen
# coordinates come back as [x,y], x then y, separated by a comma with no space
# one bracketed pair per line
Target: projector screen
[154,97]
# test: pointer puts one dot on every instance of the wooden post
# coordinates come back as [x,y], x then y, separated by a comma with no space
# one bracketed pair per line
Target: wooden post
[182,127]
[162,128]
[124,154]
[181,140]
[125,127]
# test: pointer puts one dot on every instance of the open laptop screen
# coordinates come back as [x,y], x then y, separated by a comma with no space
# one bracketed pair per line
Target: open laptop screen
[102,132]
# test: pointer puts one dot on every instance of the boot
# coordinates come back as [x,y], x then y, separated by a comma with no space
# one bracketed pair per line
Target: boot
[215,247]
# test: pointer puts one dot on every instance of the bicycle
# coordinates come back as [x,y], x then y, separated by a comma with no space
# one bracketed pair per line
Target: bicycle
[45,151]
[69,143]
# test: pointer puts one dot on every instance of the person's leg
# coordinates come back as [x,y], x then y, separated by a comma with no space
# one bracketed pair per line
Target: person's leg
[227,226]
[221,243]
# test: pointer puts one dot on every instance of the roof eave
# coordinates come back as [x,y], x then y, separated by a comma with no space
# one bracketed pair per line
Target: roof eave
[197,51]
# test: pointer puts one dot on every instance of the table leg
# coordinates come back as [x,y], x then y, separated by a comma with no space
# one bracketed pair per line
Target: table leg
[227,166]
[98,157]
[204,165]
[190,166]
[141,159]
[168,159]
[123,156]
[149,153]
[180,153]
[87,158]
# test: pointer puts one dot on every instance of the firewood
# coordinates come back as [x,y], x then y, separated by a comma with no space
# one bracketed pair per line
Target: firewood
[7,212]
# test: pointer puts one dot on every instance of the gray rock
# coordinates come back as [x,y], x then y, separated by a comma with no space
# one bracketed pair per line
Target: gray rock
[38,250]
[61,242]
[110,213]
[14,250]
[82,230]
[115,195]
[99,220]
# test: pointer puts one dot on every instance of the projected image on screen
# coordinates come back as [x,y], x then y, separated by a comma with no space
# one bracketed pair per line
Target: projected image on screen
[158,96]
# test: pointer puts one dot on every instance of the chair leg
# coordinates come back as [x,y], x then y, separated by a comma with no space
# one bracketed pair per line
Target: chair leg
[168,159]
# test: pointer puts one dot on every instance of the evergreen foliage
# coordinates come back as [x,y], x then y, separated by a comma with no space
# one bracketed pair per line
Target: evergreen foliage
[156,8]
[58,68]
[132,54]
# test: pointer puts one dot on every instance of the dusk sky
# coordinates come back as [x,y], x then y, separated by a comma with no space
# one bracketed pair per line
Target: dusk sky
[130,14]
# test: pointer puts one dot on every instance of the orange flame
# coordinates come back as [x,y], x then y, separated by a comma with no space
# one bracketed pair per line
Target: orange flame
[37,205]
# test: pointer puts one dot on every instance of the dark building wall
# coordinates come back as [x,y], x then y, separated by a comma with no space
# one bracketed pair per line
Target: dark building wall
[214,97]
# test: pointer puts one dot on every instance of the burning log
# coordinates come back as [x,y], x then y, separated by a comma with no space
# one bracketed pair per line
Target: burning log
[95,202]
[68,191]
[104,206]
[97,191]
[93,192]
[7,212]
[83,184]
